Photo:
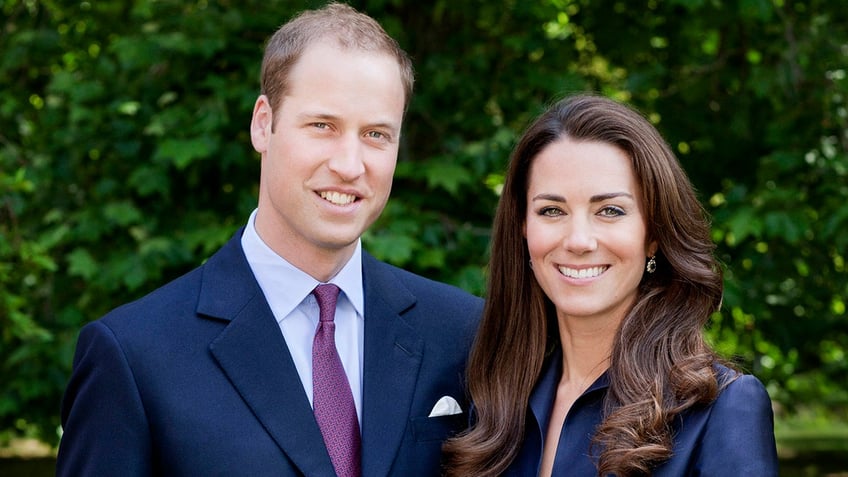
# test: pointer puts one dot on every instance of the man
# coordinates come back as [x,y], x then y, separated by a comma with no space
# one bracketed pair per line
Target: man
[213,373]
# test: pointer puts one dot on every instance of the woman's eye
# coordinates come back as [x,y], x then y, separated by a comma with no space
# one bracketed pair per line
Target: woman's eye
[550,212]
[612,211]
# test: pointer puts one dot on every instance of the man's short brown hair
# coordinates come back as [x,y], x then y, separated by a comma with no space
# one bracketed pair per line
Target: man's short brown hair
[334,22]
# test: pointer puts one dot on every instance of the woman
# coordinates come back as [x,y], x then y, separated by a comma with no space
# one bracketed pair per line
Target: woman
[590,358]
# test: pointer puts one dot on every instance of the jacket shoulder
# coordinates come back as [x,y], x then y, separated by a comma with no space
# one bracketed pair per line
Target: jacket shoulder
[178,300]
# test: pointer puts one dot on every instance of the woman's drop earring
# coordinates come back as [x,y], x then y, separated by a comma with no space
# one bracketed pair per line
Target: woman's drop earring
[651,267]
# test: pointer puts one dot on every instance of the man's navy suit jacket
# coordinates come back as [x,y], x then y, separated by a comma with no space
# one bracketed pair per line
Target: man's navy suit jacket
[196,379]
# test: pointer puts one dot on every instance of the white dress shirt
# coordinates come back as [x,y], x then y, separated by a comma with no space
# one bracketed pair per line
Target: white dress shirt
[288,291]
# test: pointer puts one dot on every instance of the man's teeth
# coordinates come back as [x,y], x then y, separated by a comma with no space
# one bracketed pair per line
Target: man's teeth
[338,198]
[583,272]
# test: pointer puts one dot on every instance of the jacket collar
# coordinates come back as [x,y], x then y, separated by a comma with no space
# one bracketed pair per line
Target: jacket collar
[252,353]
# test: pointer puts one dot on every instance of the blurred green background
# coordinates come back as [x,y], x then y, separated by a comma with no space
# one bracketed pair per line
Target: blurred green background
[125,161]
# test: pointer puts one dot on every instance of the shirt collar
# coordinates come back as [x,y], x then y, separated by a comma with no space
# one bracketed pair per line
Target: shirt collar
[291,285]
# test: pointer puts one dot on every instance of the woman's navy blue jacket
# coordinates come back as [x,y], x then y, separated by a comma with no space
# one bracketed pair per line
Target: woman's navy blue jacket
[734,435]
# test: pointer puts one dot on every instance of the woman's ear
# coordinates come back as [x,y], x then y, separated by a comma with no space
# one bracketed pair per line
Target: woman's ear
[652,249]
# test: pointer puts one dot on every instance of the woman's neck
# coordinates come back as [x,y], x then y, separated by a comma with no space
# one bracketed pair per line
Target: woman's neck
[586,348]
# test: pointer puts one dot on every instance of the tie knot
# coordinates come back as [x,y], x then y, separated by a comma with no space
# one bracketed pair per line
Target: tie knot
[326,295]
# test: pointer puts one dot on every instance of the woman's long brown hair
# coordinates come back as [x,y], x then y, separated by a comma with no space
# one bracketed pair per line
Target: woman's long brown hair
[660,364]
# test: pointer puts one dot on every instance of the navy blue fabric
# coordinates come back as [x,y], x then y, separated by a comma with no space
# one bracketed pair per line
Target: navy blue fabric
[196,379]
[732,436]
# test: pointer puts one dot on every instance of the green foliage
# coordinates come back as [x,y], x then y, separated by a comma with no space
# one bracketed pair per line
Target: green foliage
[125,158]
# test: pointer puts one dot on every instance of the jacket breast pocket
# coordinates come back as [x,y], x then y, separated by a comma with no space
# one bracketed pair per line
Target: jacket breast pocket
[438,428]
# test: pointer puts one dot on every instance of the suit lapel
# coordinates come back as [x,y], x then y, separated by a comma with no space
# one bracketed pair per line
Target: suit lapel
[393,354]
[253,354]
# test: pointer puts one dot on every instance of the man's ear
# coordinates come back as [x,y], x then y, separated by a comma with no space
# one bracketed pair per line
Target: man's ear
[261,123]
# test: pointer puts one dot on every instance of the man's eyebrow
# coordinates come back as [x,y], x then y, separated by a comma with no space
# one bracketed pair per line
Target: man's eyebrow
[389,125]
[316,115]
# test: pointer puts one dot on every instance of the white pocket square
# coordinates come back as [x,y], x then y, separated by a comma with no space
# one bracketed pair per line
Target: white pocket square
[446,406]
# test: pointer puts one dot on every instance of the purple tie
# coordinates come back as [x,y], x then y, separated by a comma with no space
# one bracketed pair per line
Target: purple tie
[332,400]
